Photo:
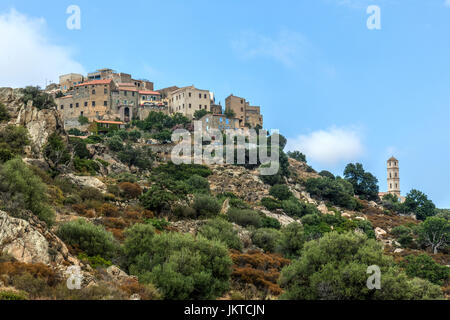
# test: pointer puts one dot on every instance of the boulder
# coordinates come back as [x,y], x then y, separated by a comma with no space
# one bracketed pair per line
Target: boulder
[379,233]
[225,206]
[86,181]
[28,240]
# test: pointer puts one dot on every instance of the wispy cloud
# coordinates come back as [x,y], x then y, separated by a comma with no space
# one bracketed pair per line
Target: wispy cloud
[287,47]
[27,57]
[329,147]
[447,3]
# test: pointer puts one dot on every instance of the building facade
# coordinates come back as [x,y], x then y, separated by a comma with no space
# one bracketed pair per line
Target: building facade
[187,100]
[247,115]
[218,122]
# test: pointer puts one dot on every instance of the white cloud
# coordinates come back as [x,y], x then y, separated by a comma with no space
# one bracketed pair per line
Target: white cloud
[329,147]
[27,57]
[447,3]
[287,47]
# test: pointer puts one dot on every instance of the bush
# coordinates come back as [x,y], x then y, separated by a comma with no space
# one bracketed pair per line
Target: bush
[86,166]
[183,171]
[157,199]
[158,224]
[206,206]
[295,208]
[90,193]
[109,210]
[115,144]
[93,240]
[179,265]
[197,183]
[94,262]
[12,295]
[41,100]
[338,192]
[140,157]
[266,239]
[83,120]
[185,212]
[268,222]
[423,266]
[22,189]
[292,240]
[297,155]
[130,190]
[403,235]
[55,151]
[335,268]
[280,192]
[245,218]
[4,115]
[271,204]
[79,148]
[221,230]
[327,174]
[13,140]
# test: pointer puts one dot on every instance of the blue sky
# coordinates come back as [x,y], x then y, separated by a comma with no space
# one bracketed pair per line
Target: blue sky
[339,91]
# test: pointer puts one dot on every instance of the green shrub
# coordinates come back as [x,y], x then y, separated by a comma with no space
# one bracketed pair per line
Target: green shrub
[90,193]
[271,204]
[266,239]
[157,199]
[245,217]
[4,115]
[335,268]
[221,230]
[115,144]
[41,100]
[338,192]
[86,166]
[55,151]
[22,189]
[93,240]
[297,155]
[238,203]
[295,208]
[280,192]
[13,140]
[197,183]
[423,266]
[403,235]
[185,212]
[158,224]
[12,295]
[269,222]
[292,240]
[95,262]
[79,148]
[183,171]
[83,120]
[179,265]
[206,205]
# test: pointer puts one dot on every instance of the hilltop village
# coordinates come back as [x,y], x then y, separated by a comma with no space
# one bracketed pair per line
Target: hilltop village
[108,97]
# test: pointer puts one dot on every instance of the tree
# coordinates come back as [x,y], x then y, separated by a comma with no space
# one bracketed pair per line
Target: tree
[335,268]
[115,144]
[83,120]
[180,266]
[418,203]
[141,157]
[435,233]
[327,174]
[266,239]
[297,155]
[198,114]
[55,151]
[364,183]
[339,191]
[41,100]
[22,189]
[292,240]
[4,115]
[163,136]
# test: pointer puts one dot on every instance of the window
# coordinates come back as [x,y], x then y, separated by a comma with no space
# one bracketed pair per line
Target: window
[93,91]
[81,113]
[190,94]
[200,95]
[132,93]
[105,91]
[143,98]
[190,105]
[205,95]
[93,103]
[71,106]
[105,103]
[199,107]
[125,93]
[85,104]
[391,185]
[62,107]
[77,105]
[396,186]
[242,101]
[206,107]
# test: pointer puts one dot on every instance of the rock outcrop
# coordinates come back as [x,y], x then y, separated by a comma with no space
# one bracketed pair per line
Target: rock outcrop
[28,240]
[86,181]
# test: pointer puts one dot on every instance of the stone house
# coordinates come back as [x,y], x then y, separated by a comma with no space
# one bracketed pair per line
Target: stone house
[247,115]
[187,100]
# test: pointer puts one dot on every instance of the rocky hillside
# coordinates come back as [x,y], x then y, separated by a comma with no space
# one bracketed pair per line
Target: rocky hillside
[137,227]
